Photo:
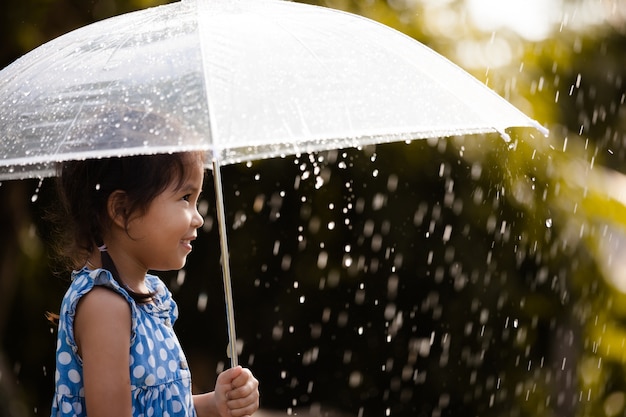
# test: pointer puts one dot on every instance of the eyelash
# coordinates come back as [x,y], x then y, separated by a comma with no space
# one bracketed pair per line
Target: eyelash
[187,197]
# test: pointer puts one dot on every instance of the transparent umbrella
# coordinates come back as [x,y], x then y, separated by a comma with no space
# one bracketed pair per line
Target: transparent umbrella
[243,80]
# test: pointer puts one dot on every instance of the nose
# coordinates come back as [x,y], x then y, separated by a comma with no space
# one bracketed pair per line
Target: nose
[197,220]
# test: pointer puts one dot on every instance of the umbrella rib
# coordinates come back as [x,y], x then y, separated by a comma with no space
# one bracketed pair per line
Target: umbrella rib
[82,104]
[67,130]
[449,65]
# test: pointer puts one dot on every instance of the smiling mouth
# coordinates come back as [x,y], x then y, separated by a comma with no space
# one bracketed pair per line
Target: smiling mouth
[186,243]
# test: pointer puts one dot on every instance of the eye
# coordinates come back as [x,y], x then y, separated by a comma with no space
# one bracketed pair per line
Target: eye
[187,197]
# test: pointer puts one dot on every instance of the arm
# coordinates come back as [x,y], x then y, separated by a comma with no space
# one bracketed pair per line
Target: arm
[236,395]
[102,330]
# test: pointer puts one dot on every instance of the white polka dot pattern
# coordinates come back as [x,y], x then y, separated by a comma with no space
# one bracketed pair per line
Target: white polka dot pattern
[160,378]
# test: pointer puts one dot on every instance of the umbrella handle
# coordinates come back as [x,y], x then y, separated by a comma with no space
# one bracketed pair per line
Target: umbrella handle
[228,294]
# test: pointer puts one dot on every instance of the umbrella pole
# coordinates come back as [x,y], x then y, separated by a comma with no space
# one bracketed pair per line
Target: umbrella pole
[228,294]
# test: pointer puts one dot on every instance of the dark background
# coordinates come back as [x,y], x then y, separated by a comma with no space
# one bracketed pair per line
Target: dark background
[463,276]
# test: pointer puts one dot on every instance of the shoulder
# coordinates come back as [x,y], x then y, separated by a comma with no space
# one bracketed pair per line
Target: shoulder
[103,319]
[105,301]
[85,280]
[98,286]
[102,305]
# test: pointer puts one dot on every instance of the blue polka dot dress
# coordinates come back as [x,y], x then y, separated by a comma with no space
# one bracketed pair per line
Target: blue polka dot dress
[159,375]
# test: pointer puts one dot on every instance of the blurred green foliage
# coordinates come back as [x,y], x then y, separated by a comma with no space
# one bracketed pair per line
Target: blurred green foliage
[460,276]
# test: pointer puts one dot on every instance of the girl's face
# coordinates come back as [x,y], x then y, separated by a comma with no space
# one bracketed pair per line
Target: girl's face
[164,234]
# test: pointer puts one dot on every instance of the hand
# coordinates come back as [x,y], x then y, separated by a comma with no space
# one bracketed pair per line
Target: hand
[236,393]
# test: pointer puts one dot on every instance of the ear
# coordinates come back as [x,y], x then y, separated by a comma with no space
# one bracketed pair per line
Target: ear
[117,208]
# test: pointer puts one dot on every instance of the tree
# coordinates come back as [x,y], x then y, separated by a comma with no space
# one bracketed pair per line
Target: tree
[464,276]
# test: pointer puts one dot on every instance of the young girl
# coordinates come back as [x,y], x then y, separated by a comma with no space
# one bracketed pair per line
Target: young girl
[117,354]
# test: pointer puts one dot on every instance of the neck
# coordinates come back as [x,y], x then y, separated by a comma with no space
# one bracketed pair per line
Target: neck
[128,273]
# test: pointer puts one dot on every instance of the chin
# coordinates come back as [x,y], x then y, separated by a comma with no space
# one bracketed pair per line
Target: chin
[182,264]
[172,267]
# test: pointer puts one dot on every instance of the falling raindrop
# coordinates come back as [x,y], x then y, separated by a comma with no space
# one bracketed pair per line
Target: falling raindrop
[180,277]
[35,195]
[202,302]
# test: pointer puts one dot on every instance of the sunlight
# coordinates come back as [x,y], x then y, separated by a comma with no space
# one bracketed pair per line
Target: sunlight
[531,19]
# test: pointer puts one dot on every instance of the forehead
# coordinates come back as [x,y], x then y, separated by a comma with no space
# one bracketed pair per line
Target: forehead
[191,172]
[194,171]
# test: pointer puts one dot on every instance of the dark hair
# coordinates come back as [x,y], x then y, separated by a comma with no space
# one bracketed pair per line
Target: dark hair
[84,188]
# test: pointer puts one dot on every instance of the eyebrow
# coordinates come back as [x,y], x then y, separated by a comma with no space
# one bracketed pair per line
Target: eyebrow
[185,183]
[190,188]
[187,186]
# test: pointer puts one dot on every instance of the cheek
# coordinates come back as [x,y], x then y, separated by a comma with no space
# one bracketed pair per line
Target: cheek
[132,224]
[139,227]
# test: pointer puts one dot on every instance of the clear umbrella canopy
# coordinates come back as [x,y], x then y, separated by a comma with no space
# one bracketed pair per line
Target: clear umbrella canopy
[241,79]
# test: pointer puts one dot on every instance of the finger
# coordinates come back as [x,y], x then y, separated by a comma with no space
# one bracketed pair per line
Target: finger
[240,408]
[250,387]
[245,396]
[239,395]
[228,376]
[242,378]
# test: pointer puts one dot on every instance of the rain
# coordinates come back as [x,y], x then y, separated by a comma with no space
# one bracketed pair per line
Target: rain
[453,276]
